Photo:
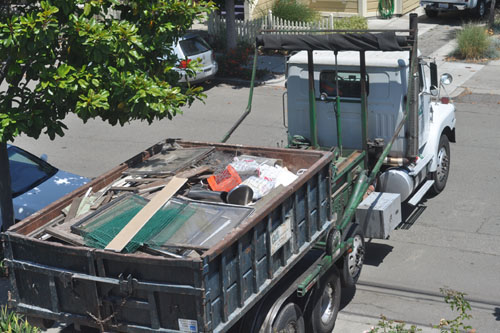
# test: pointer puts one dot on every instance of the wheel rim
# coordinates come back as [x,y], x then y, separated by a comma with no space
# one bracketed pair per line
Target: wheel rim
[327,304]
[443,165]
[356,257]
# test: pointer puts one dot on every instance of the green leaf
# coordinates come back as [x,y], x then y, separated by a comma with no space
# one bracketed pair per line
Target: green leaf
[63,70]
[82,83]
[86,9]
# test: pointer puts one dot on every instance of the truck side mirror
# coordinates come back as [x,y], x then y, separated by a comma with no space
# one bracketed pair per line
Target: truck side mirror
[434,74]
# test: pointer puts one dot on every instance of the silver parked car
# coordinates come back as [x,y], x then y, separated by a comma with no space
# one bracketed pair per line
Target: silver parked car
[190,47]
[35,183]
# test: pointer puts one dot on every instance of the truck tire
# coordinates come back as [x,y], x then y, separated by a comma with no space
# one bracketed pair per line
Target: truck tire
[480,10]
[325,303]
[354,260]
[431,13]
[289,319]
[440,176]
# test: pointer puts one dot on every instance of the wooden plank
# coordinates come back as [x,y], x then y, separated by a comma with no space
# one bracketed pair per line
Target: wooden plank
[143,216]
[65,236]
[75,204]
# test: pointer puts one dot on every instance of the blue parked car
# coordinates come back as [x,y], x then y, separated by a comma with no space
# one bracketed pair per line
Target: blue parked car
[36,183]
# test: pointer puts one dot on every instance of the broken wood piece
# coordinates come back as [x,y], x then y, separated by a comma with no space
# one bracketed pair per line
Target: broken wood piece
[65,236]
[75,204]
[161,182]
[124,188]
[142,217]
[107,198]
[97,203]
[151,188]
[146,180]
[194,172]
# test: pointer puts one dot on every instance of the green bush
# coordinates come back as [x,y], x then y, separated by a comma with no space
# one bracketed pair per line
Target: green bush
[493,51]
[294,11]
[12,322]
[236,63]
[472,42]
[351,23]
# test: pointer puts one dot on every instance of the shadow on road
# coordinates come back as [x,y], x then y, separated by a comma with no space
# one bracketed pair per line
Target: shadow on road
[497,314]
[347,296]
[375,253]
[410,214]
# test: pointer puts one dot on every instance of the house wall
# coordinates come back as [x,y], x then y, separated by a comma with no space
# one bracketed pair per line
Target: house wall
[342,6]
[367,8]
[259,8]
[409,5]
[372,5]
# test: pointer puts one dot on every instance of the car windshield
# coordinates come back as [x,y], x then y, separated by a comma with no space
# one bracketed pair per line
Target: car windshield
[194,45]
[27,171]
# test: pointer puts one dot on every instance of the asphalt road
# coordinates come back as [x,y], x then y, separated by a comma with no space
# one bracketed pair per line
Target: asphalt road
[93,148]
[455,242]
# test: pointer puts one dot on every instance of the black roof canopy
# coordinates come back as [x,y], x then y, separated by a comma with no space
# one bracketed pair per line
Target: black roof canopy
[385,41]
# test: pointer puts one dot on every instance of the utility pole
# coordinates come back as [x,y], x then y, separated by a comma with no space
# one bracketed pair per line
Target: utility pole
[492,14]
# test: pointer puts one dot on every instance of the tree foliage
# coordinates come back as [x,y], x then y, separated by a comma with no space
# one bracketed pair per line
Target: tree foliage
[108,59]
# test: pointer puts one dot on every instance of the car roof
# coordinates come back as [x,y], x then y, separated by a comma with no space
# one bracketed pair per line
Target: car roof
[190,35]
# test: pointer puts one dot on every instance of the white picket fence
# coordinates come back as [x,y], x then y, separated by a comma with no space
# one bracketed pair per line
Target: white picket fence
[248,30]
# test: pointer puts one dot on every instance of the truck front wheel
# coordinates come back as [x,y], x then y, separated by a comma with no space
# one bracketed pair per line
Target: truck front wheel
[326,303]
[440,176]
[289,320]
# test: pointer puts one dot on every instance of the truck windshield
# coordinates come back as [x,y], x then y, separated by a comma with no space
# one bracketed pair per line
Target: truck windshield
[27,171]
[349,84]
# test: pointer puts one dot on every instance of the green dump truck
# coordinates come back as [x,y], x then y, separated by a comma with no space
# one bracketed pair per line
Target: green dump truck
[359,134]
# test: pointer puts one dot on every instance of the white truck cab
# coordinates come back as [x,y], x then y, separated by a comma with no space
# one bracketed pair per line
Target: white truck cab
[387,87]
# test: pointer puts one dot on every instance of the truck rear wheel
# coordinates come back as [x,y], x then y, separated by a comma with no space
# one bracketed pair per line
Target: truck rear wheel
[289,320]
[354,259]
[326,303]
[440,176]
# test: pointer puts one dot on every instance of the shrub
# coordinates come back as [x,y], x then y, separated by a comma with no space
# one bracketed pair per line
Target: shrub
[14,323]
[294,11]
[234,63]
[351,23]
[493,51]
[472,42]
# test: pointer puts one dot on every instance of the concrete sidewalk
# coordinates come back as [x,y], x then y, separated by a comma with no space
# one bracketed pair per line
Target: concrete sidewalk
[352,323]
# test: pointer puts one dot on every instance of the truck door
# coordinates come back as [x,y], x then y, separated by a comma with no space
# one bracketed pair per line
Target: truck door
[423,104]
